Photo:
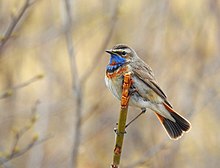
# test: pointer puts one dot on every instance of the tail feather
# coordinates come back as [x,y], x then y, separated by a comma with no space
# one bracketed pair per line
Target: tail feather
[177,128]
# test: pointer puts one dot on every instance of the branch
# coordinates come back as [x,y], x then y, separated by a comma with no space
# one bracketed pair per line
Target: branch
[76,81]
[15,150]
[122,121]
[10,91]
[148,154]
[76,88]
[14,22]
[19,152]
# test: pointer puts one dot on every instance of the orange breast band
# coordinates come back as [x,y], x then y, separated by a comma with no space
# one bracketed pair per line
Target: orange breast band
[117,73]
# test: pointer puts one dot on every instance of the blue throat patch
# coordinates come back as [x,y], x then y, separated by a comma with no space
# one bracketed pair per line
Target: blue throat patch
[115,62]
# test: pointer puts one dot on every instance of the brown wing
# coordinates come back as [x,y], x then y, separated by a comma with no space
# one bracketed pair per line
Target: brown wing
[145,74]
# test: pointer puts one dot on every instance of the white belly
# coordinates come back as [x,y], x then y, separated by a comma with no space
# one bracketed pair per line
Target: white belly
[115,87]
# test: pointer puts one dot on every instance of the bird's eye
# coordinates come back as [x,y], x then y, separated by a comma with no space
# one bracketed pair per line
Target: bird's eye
[123,53]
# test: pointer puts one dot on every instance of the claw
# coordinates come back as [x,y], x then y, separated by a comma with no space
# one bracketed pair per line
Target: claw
[143,110]
[132,91]
[119,133]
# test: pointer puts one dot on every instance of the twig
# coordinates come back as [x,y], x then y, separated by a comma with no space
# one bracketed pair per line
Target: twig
[19,134]
[77,82]
[149,153]
[20,152]
[76,88]
[122,121]
[10,91]
[14,23]
[15,151]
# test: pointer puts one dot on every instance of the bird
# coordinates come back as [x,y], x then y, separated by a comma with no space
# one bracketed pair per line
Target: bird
[145,92]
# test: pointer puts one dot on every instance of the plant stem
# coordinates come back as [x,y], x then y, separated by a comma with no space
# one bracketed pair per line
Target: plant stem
[122,121]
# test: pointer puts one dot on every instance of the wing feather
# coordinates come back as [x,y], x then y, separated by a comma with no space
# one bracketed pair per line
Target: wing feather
[145,74]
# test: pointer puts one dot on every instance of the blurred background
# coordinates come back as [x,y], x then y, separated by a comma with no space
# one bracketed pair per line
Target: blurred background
[55,110]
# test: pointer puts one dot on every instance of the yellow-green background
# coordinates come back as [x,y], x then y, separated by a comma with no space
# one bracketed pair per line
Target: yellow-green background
[179,39]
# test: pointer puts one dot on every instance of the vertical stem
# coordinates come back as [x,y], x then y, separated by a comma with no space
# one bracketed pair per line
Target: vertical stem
[76,88]
[122,120]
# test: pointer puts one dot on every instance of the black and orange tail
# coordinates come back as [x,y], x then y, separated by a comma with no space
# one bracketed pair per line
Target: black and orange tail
[177,128]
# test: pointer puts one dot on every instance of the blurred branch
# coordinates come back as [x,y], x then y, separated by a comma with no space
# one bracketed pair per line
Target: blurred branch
[94,109]
[214,8]
[76,82]
[19,152]
[15,150]
[96,60]
[76,88]
[14,22]
[10,91]
[122,121]
[148,154]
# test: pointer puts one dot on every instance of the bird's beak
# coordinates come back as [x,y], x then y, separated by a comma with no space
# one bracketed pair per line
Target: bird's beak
[109,51]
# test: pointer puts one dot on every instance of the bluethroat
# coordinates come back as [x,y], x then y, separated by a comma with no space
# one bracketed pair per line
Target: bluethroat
[144,91]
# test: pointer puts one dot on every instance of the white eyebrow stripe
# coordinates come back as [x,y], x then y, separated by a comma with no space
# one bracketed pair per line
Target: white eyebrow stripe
[127,50]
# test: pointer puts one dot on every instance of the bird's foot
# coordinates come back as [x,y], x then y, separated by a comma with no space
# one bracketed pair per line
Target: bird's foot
[133,90]
[117,132]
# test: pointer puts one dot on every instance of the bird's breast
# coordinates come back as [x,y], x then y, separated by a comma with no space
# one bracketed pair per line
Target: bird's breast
[114,80]
[117,72]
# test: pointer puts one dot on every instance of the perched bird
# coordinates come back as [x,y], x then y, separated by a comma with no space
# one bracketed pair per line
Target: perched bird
[144,91]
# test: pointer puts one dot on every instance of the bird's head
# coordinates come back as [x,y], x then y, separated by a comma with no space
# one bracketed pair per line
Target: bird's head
[120,54]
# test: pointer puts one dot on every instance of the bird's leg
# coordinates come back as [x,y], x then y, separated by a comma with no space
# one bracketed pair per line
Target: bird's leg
[143,110]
